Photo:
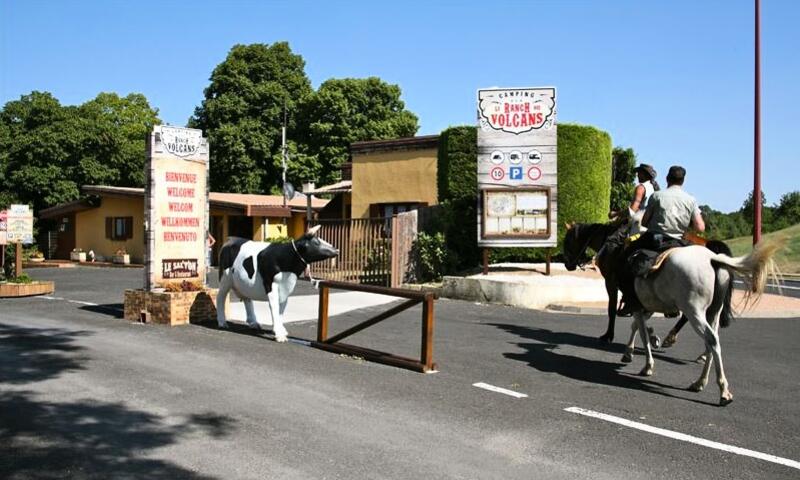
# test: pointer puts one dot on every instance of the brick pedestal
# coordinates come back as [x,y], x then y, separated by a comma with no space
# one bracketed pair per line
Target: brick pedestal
[171,308]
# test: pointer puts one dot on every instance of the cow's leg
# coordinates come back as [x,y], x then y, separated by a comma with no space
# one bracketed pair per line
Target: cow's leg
[252,321]
[225,284]
[275,312]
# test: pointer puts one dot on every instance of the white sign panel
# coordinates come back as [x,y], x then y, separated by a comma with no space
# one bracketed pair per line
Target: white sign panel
[16,225]
[517,167]
[176,206]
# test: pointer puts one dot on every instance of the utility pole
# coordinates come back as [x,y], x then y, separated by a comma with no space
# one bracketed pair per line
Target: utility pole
[284,153]
[757,131]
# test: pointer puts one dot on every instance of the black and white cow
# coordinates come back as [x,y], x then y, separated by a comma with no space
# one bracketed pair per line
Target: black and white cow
[266,272]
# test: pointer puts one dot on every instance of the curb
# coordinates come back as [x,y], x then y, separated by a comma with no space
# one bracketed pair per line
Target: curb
[578,310]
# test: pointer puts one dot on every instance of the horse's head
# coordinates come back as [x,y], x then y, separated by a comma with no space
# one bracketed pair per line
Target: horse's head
[571,247]
[314,249]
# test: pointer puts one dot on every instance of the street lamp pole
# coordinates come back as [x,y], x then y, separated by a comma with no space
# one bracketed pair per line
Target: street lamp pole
[757,131]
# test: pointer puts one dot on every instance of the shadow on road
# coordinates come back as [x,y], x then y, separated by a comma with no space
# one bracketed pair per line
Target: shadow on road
[544,357]
[116,310]
[79,439]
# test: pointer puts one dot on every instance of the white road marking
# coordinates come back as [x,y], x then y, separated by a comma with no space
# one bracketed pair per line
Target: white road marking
[85,303]
[787,287]
[492,388]
[686,438]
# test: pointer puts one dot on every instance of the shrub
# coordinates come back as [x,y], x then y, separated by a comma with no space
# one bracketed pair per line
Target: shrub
[431,257]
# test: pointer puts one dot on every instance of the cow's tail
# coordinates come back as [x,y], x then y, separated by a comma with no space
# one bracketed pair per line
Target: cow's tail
[754,268]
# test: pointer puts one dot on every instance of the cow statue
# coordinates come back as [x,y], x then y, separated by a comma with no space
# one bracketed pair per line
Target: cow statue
[267,272]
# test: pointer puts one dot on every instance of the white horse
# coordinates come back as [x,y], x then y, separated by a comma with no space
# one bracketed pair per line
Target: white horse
[695,281]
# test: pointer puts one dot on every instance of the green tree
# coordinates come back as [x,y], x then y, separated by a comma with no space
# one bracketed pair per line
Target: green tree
[115,129]
[748,213]
[788,209]
[47,151]
[243,112]
[623,161]
[348,110]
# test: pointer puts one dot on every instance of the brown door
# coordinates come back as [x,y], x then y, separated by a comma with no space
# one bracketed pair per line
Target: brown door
[66,236]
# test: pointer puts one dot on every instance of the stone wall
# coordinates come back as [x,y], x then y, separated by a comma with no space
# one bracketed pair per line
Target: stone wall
[171,308]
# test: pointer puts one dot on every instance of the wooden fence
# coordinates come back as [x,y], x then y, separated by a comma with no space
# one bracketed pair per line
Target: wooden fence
[372,251]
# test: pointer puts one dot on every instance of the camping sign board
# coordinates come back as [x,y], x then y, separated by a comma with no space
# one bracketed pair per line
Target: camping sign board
[517,167]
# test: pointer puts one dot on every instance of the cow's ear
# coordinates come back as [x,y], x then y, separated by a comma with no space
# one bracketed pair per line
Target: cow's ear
[313,230]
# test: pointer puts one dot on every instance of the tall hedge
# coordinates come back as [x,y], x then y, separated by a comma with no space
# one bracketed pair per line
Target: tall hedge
[584,187]
[456,178]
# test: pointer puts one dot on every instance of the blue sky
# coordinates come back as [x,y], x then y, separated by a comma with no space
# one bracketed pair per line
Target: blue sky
[672,79]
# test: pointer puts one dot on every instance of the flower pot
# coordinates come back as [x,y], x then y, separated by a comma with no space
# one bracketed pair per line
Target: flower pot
[36,259]
[122,259]
[77,256]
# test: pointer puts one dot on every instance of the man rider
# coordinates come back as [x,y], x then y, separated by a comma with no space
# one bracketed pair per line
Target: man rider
[670,214]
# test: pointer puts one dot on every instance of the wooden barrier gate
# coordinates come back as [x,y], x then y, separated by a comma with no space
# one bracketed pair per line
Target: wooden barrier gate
[424,364]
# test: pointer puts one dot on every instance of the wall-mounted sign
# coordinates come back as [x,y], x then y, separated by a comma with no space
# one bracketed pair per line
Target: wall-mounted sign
[176,206]
[517,167]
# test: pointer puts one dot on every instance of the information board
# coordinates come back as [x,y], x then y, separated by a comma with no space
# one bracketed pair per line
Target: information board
[517,167]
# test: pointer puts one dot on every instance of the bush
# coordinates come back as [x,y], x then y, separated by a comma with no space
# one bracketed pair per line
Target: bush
[431,257]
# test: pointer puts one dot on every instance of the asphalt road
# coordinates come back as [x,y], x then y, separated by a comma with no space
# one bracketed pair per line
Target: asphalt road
[84,394]
[787,288]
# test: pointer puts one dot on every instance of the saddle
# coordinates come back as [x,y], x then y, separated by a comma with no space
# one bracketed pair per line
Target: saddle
[650,256]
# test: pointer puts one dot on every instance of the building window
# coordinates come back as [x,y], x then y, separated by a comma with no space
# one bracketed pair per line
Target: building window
[119,228]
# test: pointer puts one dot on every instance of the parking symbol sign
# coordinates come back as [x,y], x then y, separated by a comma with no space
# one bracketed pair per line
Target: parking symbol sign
[515,173]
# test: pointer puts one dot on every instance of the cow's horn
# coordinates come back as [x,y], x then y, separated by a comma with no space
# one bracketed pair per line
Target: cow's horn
[313,230]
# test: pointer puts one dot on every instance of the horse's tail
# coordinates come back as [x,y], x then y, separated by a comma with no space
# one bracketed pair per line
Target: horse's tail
[726,317]
[754,268]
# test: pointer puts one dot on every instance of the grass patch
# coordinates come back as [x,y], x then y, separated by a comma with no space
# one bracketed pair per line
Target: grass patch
[788,258]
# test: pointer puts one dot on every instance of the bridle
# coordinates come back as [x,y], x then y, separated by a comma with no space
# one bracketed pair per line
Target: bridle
[581,251]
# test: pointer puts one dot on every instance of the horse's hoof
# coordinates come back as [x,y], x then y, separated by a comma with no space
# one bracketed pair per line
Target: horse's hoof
[222,326]
[627,357]
[254,326]
[669,341]
[607,338]
[696,387]
[646,372]
[701,359]
[725,400]
[655,341]
[281,338]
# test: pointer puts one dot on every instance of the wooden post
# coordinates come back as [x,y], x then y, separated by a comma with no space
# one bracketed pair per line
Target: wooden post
[322,321]
[547,267]
[426,357]
[18,260]
[486,261]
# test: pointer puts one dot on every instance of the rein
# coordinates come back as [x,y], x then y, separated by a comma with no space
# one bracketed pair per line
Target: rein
[307,270]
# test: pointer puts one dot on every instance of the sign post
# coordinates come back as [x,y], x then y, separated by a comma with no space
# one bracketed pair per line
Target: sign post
[16,226]
[517,168]
[176,206]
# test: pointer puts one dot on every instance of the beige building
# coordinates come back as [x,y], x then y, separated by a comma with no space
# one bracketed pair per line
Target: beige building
[109,219]
[385,177]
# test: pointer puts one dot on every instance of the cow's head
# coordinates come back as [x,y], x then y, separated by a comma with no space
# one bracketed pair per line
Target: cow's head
[314,249]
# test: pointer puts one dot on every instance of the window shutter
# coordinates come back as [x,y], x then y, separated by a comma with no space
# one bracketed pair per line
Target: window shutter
[109,227]
[128,227]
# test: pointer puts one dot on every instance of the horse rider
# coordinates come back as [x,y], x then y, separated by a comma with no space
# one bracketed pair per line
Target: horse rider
[670,214]
[648,185]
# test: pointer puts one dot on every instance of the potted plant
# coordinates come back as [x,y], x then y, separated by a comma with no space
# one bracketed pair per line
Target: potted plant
[121,256]
[77,255]
[36,256]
